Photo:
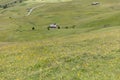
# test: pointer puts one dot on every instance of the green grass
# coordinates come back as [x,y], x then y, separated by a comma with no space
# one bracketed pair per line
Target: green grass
[90,51]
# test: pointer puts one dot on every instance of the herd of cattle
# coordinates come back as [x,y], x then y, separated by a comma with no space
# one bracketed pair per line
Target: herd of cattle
[58,27]
[6,5]
[55,26]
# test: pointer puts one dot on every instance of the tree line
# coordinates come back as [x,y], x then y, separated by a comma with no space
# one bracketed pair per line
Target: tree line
[9,4]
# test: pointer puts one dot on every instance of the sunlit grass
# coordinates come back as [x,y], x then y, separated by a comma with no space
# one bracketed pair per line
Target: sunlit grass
[90,51]
[46,1]
[84,56]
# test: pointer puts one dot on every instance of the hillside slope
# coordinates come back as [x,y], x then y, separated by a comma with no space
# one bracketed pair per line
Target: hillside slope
[79,13]
[89,51]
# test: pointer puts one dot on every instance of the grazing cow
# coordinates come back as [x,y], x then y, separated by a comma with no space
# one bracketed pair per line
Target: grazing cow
[53,26]
[33,28]
[95,3]
[73,26]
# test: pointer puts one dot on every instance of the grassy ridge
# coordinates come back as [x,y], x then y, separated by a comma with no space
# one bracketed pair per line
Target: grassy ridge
[91,51]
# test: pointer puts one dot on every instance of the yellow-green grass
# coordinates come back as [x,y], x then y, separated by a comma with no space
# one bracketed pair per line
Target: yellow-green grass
[5,1]
[46,1]
[78,12]
[93,55]
[90,51]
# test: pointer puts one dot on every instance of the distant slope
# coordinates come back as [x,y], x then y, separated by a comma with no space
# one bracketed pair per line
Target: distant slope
[46,1]
[67,14]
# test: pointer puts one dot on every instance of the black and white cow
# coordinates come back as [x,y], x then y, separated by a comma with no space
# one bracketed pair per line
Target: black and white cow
[53,26]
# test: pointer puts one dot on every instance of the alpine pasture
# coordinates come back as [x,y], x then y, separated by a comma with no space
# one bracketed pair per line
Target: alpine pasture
[89,51]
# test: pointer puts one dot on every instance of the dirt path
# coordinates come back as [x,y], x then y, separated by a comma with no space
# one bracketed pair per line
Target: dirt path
[32,9]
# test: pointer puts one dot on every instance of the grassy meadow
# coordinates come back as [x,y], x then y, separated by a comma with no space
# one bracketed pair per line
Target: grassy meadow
[90,51]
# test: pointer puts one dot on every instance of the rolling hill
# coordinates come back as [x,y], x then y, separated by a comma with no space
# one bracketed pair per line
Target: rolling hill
[89,51]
